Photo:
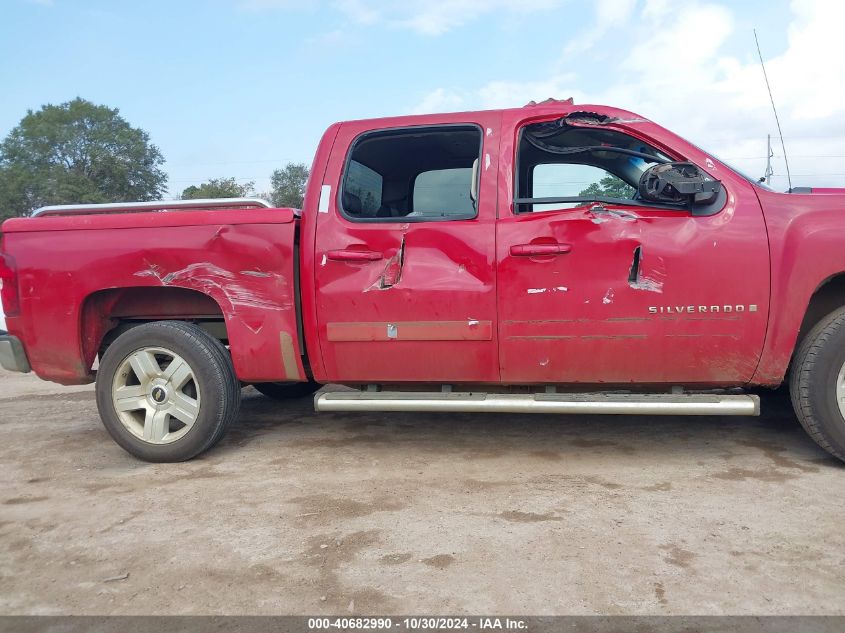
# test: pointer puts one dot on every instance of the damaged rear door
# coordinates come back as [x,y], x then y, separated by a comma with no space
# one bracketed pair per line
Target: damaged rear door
[619,290]
[405,277]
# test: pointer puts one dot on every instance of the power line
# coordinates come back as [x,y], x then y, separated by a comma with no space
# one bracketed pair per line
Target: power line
[807,175]
[238,162]
[772,99]
[793,156]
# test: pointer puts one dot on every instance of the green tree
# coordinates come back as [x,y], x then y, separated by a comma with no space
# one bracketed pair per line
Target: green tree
[77,152]
[219,188]
[610,187]
[288,185]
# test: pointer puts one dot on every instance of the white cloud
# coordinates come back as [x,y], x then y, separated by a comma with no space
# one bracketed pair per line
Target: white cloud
[498,94]
[813,66]
[330,42]
[425,17]
[674,70]
[610,14]
[358,10]
[439,100]
[435,17]
[268,5]
[506,94]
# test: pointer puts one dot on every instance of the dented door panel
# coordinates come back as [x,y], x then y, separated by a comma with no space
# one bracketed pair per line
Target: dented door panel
[419,303]
[638,294]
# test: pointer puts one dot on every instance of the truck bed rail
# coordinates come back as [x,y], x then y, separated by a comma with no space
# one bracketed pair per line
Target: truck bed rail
[153,205]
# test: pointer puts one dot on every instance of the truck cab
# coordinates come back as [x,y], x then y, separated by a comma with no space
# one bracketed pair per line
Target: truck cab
[464,241]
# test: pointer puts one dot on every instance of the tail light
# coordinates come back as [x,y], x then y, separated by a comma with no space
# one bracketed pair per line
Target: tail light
[9,285]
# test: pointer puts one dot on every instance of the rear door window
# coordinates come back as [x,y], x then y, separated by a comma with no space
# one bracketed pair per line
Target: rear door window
[416,174]
[362,190]
[444,192]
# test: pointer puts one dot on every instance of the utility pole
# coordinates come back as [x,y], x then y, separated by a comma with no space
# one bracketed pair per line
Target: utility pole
[769,171]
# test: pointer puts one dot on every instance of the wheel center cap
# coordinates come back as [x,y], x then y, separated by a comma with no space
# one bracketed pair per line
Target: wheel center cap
[159,394]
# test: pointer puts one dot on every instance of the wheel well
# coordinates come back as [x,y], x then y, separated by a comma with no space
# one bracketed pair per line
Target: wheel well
[106,314]
[829,296]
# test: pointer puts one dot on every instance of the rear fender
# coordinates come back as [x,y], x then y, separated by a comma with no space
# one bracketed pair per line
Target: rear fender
[68,279]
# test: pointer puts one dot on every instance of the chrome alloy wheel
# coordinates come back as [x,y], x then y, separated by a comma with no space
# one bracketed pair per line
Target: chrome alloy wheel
[840,391]
[155,395]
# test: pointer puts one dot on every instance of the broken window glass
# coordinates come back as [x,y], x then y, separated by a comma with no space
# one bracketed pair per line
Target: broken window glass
[412,174]
[560,166]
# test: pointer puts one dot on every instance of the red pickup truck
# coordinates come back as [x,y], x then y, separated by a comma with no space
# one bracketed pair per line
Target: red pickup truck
[553,258]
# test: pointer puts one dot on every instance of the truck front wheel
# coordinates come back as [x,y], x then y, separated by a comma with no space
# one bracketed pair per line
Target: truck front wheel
[167,391]
[817,383]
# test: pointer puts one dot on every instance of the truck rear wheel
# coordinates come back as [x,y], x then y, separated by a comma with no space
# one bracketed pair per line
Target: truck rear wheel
[287,390]
[817,383]
[167,391]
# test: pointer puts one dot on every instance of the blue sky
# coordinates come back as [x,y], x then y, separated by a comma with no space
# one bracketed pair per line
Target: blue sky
[239,87]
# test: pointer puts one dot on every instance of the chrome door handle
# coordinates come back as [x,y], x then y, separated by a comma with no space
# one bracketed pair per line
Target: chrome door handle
[533,250]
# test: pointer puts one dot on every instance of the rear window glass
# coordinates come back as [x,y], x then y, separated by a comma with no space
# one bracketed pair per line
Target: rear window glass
[362,190]
[444,191]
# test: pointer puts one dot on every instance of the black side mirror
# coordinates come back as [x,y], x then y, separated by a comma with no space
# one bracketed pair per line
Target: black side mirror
[678,183]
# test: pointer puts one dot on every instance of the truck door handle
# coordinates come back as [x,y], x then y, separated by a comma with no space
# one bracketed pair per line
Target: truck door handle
[350,255]
[532,250]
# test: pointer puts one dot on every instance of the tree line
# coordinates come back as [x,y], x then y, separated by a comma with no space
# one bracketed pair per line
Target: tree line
[79,152]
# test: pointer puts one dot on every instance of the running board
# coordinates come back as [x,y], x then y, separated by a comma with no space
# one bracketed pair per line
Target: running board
[471,402]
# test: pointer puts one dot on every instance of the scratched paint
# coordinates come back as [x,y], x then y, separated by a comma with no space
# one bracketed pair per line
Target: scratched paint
[391,274]
[652,282]
[216,281]
[647,284]
[536,291]
[608,297]
[599,215]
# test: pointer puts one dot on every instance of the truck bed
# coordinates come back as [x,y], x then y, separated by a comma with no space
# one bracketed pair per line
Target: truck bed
[81,276]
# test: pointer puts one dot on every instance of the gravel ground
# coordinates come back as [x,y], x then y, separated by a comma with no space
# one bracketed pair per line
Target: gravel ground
[299,513]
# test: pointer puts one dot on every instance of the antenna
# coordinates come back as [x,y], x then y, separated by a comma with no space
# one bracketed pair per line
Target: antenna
[772,99]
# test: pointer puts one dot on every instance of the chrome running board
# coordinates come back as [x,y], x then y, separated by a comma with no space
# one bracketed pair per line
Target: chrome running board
[592,403]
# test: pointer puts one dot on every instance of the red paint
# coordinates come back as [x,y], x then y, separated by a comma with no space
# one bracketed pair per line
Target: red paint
[533,298]
[805,240]
[447,275]
[9,294]
[574,318]
[242,261]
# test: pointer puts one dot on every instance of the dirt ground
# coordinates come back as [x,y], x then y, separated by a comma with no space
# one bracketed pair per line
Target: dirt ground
[299,513]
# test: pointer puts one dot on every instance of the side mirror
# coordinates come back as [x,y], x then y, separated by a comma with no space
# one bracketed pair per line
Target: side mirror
[678,183]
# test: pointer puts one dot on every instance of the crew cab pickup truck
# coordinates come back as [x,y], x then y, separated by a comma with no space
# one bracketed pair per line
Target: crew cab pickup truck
[555,258]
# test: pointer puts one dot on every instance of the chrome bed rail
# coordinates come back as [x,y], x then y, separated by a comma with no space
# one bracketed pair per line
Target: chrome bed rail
[153,205]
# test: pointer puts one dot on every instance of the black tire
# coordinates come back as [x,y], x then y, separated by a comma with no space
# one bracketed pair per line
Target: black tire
[212,375]
[813,382]
[287,390]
